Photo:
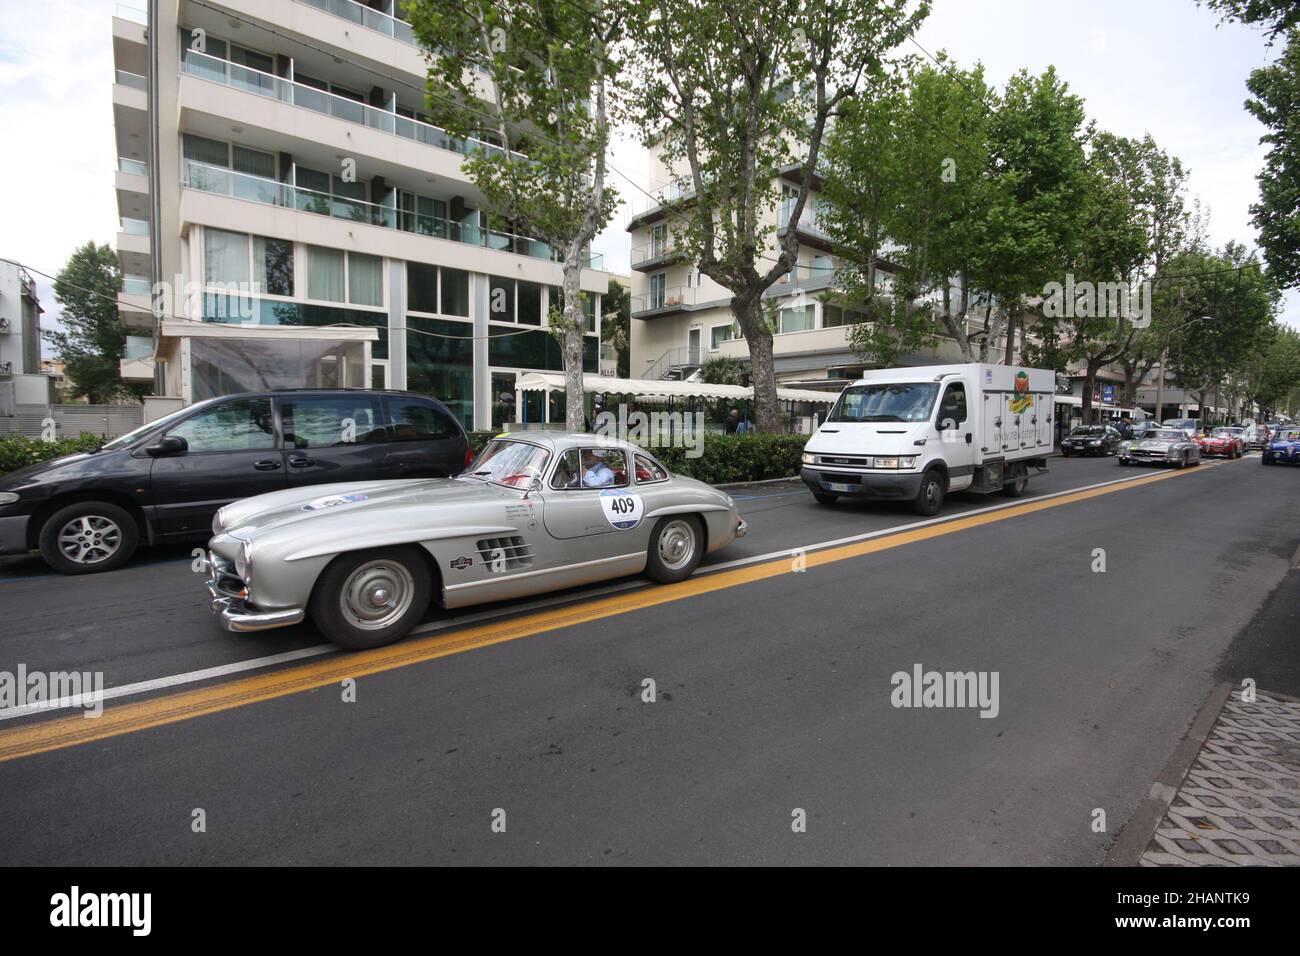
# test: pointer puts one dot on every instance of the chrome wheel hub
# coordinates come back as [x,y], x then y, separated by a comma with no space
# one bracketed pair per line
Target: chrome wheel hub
[377,594]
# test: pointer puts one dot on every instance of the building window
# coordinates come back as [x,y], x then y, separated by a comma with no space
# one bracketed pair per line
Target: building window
[529,303]
[798,320]
[501,299]
[722,333]
[225,257]
[273,266]
[421,287]
[365,279]
[203,150]
[454,291]
[658,289]
[325,274]
[833,316]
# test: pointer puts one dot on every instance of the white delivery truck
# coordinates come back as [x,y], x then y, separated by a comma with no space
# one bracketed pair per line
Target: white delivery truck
[916,434]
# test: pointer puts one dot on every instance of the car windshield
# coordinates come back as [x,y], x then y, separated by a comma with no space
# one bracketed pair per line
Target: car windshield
[1289,434]
[885,402]
[1226,432]
[130,437]
[1093,431]
[1166,434]
[1182,423]
[512,463]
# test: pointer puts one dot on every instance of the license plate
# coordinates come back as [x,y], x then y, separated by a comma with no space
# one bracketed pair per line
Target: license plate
[840,486]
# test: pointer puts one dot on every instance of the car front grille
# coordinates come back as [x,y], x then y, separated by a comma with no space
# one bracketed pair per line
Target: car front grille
[223,577]
[513,553]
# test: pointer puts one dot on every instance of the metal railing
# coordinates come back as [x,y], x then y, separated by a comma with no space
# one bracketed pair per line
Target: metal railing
[674,362]
[217,179]
[217,70]
[810,219]
[376,20]
[669,298]
[653,249]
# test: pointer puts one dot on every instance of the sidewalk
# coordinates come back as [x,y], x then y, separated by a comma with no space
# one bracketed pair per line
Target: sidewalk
[1239,804]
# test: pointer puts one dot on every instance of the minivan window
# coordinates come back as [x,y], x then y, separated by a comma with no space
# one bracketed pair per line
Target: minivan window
[121,441]
[414,420]
[230,426]
[322,421]
[885,402]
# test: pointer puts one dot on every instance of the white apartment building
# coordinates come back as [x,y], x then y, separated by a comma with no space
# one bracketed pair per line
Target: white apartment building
[682,318]
[278,175]
[22,382]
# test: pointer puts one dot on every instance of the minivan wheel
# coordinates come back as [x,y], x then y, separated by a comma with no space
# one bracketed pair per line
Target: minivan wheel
[371,598]
[88,537]
[930,498]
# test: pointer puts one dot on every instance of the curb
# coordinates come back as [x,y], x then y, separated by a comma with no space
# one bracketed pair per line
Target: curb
[1141,827]
[758,484]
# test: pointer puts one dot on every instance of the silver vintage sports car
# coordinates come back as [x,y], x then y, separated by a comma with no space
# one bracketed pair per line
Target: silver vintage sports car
[1165,446]
[535,512]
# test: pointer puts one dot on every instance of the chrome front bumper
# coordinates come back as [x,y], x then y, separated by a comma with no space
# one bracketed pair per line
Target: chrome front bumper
[226,599]
[239,618]
[741,528]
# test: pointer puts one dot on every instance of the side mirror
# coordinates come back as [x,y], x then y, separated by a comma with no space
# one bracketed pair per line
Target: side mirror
[534,485]
[168,445]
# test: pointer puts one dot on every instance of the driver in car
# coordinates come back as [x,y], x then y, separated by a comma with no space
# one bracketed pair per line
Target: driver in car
[595,473]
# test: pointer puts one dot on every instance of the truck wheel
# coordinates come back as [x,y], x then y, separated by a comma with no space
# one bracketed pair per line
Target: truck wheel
[89,537]
[823,498]
[675,549]
[1019,481]
[930,498]
[371,598]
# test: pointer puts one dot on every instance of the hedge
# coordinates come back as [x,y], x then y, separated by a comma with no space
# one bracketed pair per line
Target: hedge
[731,458]
[18,451]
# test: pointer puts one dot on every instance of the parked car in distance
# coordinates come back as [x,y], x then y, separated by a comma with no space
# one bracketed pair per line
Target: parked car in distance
[1091,440]
[1168,446]
[1223,442]
[535,512]
[1283,448]
[164,481]
[1191,427]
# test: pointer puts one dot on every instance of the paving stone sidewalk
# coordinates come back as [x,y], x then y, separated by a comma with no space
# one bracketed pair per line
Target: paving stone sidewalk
[1239,804]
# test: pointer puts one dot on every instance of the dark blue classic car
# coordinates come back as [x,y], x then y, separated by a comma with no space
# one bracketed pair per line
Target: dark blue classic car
[1284,449]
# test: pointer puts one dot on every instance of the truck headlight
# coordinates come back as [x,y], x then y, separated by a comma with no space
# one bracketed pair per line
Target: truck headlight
[7,497]
[896,462]
[809,458]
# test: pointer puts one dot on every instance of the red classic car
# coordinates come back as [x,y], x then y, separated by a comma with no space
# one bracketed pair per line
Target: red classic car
[1223,442]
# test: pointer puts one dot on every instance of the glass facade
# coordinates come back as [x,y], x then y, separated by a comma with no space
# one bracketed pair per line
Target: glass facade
[440,362]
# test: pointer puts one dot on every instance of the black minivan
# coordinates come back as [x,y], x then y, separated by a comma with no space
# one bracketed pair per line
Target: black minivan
[165,481]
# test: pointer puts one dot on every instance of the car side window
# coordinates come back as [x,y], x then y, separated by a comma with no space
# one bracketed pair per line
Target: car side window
[953,407]
[243,425]
[414,420]
[649,471]
[591,468]
[326,421]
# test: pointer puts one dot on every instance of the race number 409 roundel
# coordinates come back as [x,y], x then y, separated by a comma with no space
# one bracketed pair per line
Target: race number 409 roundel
[623,510]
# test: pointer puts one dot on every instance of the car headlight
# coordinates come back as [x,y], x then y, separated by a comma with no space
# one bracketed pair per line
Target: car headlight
[244,560]
[809,458]
[1094,441]
[7,497]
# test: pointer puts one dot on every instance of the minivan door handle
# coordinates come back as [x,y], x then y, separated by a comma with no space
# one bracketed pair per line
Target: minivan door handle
[300,462]
[266,464]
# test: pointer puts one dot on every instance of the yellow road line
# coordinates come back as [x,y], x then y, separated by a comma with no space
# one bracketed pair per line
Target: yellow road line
[72,731]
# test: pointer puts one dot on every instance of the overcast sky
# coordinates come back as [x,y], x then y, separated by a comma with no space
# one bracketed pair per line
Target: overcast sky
[1158,66]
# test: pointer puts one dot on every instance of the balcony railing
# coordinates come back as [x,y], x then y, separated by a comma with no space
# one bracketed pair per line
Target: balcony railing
[227,182]
[649,251]
[133,80]
[370,19]
[669,298]
[132,166]
[275,87]
[809,219]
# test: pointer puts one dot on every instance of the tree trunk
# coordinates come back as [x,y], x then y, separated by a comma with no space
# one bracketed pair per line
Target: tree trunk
[571,342]
[759,339]
[1089,378]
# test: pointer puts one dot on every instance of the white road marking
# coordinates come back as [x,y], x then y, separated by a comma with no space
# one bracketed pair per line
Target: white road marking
[256,663]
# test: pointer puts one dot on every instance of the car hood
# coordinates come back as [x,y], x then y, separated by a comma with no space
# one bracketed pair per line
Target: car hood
[31,474]
[283,509]
[1155,444]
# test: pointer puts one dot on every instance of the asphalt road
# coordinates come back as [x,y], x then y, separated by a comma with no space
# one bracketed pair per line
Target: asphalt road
[773,695]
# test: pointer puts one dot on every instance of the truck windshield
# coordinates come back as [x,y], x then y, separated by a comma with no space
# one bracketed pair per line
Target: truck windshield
[885,402]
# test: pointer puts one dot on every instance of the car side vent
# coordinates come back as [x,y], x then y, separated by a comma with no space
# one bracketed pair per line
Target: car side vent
[505,554]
